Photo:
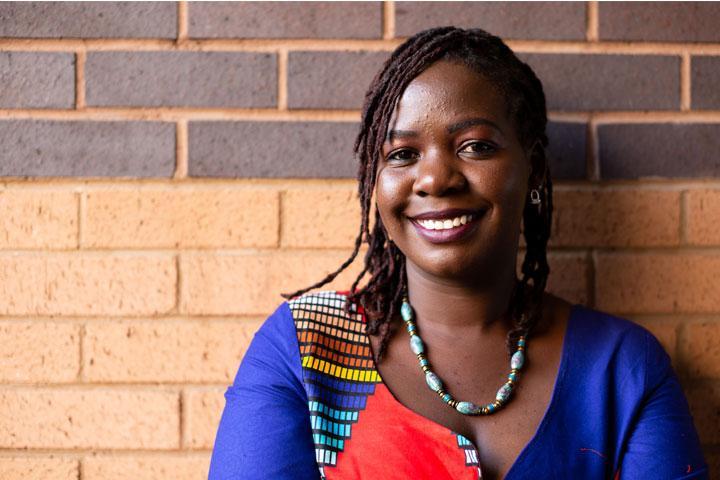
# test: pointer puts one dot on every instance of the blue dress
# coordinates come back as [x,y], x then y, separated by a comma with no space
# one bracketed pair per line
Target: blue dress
[308,403]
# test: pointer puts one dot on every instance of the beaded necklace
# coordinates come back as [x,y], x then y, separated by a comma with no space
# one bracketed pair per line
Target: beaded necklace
[436,385]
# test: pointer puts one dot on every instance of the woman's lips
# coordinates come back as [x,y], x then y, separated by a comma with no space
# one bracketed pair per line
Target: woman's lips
[451,234]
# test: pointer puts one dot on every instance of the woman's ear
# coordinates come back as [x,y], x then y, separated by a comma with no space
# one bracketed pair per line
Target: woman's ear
[538,164]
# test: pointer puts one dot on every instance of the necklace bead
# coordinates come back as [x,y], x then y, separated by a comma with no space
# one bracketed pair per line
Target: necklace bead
[435,383]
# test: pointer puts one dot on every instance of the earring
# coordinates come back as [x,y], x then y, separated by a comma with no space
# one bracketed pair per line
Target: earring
[535,196]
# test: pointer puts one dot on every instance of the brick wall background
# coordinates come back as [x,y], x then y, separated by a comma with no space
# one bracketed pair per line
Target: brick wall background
[169,168]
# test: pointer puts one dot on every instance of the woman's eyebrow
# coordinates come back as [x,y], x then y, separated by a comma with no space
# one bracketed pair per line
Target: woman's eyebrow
[393,134]
[473,121]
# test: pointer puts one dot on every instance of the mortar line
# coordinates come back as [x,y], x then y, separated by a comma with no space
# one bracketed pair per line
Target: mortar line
[281,207]
[181,150]
[174,114]
[685,82]
[81,209]
[282,80]
[592,151]
[388,18]
[344,44]
[683,233]
[592,34]
[182,22]
[80,59]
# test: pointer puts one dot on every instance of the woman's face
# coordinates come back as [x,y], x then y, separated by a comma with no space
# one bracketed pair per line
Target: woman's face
[453,178]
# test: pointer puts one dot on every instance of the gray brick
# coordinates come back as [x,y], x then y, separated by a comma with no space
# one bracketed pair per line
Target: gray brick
[705,82]
[660,21]
[188,79]
[566,150]
[331,79]
[37,80]
[87,149]
[88,19]
[272,149]
[607,82]
[659,150]
[285,19]
[522,20]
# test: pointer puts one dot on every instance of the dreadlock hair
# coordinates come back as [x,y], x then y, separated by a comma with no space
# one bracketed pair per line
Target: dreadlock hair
[490,57]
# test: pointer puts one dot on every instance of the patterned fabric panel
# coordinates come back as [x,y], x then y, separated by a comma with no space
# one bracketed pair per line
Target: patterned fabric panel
[338,370]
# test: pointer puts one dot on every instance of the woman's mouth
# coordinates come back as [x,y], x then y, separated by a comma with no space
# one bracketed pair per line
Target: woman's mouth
[447,229]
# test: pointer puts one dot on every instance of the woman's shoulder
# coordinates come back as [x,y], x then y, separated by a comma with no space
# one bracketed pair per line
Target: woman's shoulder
[617,344]
[323,306]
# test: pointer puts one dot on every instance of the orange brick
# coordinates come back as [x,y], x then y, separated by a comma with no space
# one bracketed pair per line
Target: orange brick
[72,284]
[38,219]
[703,210]
[615,218]
[704,400]
[146,467]
[568,276]
[181,218]
[320,217]
[167,351]
[699,349]
[39,352]
[85,418]
[202,411]
[15,468]
[657,283]
[251,284]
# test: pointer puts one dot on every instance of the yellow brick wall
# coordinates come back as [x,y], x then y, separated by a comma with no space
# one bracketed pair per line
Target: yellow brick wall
[126,304]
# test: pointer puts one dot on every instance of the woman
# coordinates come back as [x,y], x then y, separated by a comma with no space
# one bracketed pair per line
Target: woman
[422,372]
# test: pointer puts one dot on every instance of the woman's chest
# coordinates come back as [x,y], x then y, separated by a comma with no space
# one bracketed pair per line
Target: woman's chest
[500,437]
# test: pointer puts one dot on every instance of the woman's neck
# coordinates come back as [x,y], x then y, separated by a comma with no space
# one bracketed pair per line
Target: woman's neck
[445,307]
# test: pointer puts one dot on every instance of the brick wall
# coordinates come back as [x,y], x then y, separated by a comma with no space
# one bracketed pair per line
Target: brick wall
[168,169]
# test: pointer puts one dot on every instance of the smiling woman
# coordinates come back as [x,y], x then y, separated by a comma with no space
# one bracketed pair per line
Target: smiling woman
[445,364]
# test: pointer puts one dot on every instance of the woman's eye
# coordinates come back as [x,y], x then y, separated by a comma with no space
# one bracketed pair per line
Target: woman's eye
[478,148]
[401,155]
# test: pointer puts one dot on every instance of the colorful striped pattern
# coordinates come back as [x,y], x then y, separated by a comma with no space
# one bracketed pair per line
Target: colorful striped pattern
[339,373]
[338,369]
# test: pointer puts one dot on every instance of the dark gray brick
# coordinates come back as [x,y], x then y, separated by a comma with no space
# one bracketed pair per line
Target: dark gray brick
[41,148]
[37,80]
[566,150]
[660,21]
[189,79]
[705,82]
[607,82]
[285,19]
[331,79]
[272,149]
[662,150]
[88,19]
[526,20]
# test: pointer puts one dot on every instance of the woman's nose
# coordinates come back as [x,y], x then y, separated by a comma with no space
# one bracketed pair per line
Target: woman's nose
[438,174]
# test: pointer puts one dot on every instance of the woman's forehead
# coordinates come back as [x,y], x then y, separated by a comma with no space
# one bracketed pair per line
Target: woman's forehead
[448,92]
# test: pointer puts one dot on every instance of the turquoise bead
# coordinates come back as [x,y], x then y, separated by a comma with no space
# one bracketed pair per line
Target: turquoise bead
[411,328]
[424,362]
[512,377]
[406,311]
[521,342]
[433,381]
[504,392]
[416,345]
[517,360]
[447,397]
[490,407]
[468,408]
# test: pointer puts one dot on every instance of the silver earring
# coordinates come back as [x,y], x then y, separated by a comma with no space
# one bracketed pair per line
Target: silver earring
[535,196]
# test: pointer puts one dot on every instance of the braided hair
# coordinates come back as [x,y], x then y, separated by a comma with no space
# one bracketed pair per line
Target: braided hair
[489,56]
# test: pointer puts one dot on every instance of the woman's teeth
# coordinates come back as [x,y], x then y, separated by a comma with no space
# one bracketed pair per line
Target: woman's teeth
[445,224]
